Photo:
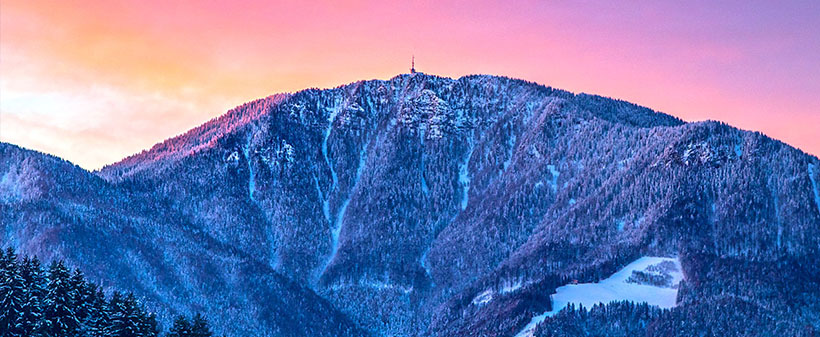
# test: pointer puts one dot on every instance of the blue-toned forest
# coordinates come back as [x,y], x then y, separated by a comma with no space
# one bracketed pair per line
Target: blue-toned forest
[427,206]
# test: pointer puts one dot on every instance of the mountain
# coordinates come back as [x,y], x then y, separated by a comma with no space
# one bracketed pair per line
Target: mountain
[124,240]
[424,205]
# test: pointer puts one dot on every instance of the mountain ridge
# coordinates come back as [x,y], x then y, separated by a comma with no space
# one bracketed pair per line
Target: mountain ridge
[400,202]
[108,170]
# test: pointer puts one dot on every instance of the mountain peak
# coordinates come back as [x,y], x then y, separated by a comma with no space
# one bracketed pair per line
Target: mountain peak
[470,89]
[426,205]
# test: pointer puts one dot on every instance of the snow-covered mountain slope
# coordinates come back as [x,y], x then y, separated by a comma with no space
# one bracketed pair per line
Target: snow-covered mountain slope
[424,205]
[650,280]
[134,240]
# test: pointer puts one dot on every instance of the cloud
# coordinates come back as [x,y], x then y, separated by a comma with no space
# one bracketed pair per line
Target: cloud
[97,125]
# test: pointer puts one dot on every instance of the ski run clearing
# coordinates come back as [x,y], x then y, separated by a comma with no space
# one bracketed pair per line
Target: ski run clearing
[653,280]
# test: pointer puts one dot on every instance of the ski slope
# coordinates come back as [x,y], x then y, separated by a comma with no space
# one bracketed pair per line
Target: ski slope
[624,285]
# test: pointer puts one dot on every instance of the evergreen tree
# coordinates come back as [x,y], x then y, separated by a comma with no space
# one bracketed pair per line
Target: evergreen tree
[150,326]
[80,296]
[125,320]
[199,327]
[115,310]
[98,320]
[64,304]
[12,295]
[58,312]
[35,284]
[181,328]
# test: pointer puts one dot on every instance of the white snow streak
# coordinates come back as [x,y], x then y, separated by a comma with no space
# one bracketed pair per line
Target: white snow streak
[511,286]
[614,288]
[554,181]
[251,177]
[374,284]
[337,225]
[779,240]
[814,187]
[423,261]
[326,205]
[511,143]
[464,172]
[424,188]
[529,330]
[483,298]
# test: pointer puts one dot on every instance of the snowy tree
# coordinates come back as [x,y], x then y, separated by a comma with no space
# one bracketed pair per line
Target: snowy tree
[181,328]
[123,317]
[98,319]
[149,326]
[58,316]
[80,295]
[12,295]
[35,284]
[199,327]
[64,303]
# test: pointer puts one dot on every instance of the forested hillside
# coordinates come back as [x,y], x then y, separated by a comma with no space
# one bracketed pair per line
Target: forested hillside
[59,301]
[431,206]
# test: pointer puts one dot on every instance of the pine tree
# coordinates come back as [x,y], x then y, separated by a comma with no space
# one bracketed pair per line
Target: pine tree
[181,328]
[125,320]
[115,313]
[35,284]
[149,326]
[64,304]
[80,297]
[199,327]
[99,318]
[58,317]
[12,295]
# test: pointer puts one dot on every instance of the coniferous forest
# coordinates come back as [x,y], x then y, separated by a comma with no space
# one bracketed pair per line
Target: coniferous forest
[419,206]
[57,301]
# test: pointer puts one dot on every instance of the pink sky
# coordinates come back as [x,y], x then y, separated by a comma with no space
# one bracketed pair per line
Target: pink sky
[94,81]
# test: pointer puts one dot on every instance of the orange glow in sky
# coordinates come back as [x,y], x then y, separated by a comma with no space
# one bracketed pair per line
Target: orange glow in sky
[95,81]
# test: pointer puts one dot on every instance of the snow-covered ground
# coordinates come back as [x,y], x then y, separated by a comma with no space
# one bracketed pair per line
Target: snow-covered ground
[653,280]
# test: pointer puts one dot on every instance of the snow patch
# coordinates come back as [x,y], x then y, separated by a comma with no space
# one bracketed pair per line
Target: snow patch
[483,298]
[424,188]
[464,172]
[814,186]
[326,204]
[651,280]
[233,157]
[554,181]
[290,153]
[776,201]
[423,261]
[318,188]
[20,183]
[374,284]
[529,330]
[511,143]
[511,286]
[337,224]
[251,177]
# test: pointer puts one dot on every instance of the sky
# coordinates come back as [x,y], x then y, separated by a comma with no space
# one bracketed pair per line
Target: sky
[95,81]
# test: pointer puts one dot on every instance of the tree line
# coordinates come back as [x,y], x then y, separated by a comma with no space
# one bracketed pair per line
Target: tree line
[60,302]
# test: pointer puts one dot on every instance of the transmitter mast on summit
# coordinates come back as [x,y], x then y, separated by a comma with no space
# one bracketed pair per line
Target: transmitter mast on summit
[413,65]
